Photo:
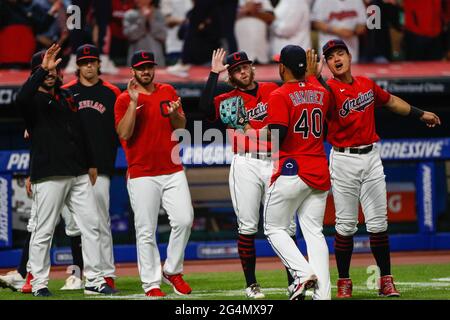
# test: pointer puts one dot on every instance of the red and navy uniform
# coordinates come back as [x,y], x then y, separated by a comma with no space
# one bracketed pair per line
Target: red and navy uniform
[351,122]
[301,107]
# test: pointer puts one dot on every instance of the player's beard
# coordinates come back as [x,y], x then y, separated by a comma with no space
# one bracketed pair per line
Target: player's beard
[49,85]
[145,83]
[245,84]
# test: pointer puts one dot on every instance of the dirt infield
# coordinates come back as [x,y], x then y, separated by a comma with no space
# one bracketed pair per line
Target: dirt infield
[273,263]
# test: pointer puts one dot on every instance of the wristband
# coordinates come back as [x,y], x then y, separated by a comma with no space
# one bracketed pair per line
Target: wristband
[416,112]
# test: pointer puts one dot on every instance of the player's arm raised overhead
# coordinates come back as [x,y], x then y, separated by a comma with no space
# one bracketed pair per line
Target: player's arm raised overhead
[206,104]
[125,127]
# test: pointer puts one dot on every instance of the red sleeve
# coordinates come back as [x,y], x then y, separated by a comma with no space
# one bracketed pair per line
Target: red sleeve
[313,80]
[120,107]
[278,110]
[381,96]
[69,84]
[174,97]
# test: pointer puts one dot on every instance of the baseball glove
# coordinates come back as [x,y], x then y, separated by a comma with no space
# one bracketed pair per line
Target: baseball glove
[232,112]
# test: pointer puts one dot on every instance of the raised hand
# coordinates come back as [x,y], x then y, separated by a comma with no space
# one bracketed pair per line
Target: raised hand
[217,65]
[131,88]
[49,62]
[311,62]
[430,119]
[173,106]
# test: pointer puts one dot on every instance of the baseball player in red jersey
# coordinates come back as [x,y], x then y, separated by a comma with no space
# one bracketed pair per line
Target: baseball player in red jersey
[251,166]
[146,116]
[355,165]
[301,179]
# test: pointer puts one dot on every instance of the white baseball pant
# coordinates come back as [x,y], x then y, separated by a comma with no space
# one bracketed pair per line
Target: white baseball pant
[147,195]
[248,180]
[101,191]
[49,197]
[287,195]
[358,178]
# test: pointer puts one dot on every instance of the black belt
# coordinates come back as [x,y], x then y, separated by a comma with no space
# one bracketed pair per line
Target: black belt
[255,155]
[355,150]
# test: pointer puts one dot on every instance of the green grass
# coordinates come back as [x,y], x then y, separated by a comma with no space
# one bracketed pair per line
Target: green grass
[413,282]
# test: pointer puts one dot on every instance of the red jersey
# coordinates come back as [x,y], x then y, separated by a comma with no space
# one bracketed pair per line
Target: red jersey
[256,108]
[351,122]
[423,17]
[149,150]
[302,107]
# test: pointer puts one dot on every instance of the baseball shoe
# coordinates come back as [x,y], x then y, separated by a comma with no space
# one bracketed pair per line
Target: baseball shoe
[102,289]
[110,282]
[344,288]
[300,288]
[44,292]
[27,287]
[180,286]
[387,287]
[254,292]
[155,292]
[12,280]
[73,283]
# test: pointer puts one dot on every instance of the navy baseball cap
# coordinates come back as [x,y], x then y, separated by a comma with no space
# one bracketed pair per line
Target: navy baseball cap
[293,57]
[87,51]
[332,45]
[36,60]
[142,57]
[237,58]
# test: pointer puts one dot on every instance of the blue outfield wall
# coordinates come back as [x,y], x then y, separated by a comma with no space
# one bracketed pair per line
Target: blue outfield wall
[424,152]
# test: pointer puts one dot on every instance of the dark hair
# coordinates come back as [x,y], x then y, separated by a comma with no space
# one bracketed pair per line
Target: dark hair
[298,74]
[77,73]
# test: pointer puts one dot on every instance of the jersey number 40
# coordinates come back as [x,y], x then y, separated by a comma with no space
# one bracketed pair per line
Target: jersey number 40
[309,123]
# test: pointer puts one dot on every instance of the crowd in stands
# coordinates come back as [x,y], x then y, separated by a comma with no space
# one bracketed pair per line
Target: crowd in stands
[183,33]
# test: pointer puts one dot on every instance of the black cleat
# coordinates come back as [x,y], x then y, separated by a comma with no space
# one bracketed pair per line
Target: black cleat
[102,289]
[44,292]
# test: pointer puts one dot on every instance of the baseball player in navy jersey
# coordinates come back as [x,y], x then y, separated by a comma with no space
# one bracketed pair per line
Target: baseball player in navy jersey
[251,166]
[355,165]
[95,99]
[61,172]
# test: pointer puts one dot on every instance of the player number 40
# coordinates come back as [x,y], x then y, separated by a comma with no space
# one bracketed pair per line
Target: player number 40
[309,123]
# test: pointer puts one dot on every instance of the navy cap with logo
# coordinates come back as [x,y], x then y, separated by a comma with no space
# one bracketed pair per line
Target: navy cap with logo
[293,57]
[332,45]
[237,58]
[87,51]
[36,60]
[142,57]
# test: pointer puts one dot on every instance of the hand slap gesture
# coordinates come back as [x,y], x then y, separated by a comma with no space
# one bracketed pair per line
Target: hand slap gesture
[313,65]
[217,65]
[49,62]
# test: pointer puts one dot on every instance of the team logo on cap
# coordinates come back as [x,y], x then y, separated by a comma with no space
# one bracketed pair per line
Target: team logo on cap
[86,50]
